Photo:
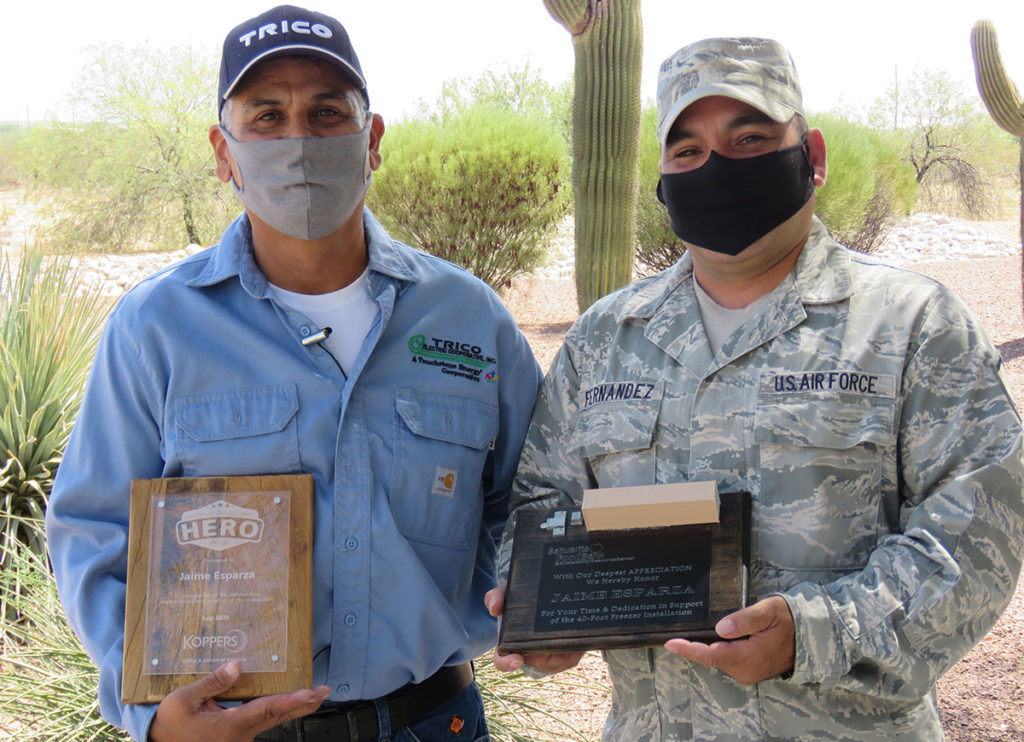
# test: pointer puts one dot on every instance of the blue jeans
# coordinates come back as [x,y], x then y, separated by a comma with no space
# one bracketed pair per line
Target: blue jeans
[459,720]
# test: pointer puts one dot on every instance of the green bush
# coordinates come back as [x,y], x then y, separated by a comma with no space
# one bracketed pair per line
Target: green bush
[657,246]
[867,183]
[48,332]
[483,188]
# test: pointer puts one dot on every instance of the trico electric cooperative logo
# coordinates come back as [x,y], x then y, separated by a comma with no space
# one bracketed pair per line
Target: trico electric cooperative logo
[296,27]
[234,641]
[219,526]
[453,357]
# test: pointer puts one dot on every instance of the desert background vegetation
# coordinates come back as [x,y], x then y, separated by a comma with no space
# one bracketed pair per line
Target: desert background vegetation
[479,176]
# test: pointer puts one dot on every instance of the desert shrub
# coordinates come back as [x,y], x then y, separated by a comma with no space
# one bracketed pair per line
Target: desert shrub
[657,246]
[10,138]
[519,90]
[483,188]
[48,332]
[135,171]
[867,184]
[523,709]
[49,685]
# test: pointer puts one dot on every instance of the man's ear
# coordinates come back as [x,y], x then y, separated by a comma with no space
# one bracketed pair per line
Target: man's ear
[816,150]
[222,156]
[376,134]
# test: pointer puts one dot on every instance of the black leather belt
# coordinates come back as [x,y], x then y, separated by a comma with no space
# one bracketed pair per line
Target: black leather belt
[353,722]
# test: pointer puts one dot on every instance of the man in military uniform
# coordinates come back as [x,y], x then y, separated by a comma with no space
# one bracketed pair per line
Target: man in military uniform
[861,406]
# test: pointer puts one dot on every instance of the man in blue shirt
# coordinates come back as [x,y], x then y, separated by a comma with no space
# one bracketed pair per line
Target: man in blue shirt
[410,415]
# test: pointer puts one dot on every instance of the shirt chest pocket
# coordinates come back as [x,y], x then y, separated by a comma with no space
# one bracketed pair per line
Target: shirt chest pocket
[823,466]
[244,431]
[617,439]
[441,446]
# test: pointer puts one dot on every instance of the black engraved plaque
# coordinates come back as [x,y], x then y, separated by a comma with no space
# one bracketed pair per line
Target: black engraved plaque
[619,579]
[574,590]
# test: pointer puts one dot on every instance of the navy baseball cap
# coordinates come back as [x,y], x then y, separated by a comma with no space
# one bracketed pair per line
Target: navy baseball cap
[281,31]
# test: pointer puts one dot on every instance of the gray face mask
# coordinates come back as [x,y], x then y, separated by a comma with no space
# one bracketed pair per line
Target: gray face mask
[305,187]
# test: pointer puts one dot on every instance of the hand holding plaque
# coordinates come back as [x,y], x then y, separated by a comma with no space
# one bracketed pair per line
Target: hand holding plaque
[574,588]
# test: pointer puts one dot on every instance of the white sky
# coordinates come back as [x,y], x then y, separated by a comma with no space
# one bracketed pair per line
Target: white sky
[846,53]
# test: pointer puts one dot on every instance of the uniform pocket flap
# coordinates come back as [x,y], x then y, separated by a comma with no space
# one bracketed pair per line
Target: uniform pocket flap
[442,417]
[237,414]
[605,429]
[825,423]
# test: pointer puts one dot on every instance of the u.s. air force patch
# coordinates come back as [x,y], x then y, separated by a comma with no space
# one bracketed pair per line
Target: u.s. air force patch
[849,382]
[614,391]
[454,358]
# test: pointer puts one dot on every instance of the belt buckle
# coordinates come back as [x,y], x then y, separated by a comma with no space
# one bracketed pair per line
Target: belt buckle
[353,725]
[310,728]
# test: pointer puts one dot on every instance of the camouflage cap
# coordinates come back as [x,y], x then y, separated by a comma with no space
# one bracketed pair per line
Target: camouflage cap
[758,72]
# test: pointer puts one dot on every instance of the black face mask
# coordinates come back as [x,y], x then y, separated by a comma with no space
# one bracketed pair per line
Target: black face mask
[727,204]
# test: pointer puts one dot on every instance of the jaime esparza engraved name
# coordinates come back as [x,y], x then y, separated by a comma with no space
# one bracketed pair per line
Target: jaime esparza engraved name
[218,575]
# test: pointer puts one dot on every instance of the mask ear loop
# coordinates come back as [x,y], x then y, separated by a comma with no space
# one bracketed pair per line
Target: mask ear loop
[805,148]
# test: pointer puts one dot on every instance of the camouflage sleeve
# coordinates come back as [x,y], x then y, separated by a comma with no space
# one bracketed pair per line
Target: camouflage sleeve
[938,582]
[550,473]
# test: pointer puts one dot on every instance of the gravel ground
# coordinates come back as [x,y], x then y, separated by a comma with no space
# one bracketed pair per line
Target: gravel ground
[982,698]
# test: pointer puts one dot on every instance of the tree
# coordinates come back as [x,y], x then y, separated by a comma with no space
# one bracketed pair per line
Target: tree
[943,135]
[138,170]
[868,184]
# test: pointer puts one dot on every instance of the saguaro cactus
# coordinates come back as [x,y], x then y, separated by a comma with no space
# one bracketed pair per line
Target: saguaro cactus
[1001,96]
[607,39]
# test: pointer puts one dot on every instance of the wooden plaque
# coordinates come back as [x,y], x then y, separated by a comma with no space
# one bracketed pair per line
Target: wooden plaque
[219,568]
[570,590]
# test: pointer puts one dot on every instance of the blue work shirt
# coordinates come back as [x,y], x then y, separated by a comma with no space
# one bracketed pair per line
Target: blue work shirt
[200,372]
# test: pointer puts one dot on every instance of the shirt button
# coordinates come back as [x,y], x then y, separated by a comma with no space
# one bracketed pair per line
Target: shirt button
[343,688]
[351,544]
[350,619]
[304,331]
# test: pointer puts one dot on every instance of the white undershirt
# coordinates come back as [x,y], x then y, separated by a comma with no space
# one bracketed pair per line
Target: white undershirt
[349,312]
[721,322]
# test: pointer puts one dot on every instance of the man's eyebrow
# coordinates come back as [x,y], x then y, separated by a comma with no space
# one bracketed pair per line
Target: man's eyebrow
[678,133]
[325,95]
[331,95]
[260,102]
[752,117]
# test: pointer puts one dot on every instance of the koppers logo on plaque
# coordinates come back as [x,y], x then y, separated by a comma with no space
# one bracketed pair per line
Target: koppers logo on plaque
[219,526]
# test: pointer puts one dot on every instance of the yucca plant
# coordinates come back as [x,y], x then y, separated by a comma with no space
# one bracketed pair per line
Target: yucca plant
[49,683]
[49,327]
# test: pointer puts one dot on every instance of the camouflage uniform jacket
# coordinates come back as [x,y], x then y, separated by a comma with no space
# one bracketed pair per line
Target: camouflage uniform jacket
[867,414]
